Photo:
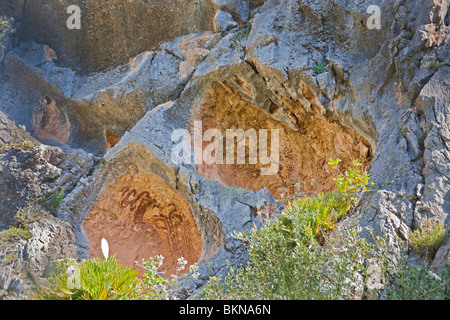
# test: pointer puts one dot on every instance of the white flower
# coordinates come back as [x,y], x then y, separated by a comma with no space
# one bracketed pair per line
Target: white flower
[181,262]
[105,248]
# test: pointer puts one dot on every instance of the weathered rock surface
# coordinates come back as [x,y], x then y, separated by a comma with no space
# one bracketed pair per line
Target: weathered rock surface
[223,21]
[113,31]
[442,258]
[379,100]
[26,262]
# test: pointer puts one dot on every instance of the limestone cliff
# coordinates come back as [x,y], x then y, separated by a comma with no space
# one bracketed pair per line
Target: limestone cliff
[102,118]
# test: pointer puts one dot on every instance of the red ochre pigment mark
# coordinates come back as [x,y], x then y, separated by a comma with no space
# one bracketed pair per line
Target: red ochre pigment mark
[142,203]
[144,198]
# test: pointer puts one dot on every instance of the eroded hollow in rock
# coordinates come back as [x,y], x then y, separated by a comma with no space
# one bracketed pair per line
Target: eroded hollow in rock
[141,216]
[307,140]
[49,124]
[111,139]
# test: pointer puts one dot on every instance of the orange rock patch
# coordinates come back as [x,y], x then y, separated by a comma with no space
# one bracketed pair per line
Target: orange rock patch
[140,216]
[111,139]
[49,123]
[306,142]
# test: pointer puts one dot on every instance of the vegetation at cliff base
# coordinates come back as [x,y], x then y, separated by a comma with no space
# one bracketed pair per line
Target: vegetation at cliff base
[93,279]
[109,279]
[304,253]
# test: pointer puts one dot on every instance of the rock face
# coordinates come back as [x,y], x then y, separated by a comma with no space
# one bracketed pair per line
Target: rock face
[161,218]
[223,21]
[25,262]
[299,135]
[114,31]
[312,76]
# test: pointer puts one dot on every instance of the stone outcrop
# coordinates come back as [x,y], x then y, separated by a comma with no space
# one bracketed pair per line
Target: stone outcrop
[25,262]
[306,142]
[314,71]
[113,31]
[161,218]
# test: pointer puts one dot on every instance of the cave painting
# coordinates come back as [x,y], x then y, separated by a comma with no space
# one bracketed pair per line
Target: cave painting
[306,142]
[140,216]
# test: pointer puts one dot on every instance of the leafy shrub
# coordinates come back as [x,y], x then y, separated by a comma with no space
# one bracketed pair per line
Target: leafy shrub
[92,279]
[407,35]
[315,215]
[284,266]
[418,283]
[9,258]
[319,68]
[427,240]
[9,236]
[425,133]
[353,182]
[238,38]
[404,132]
[100,164]
[54,200]
[108,279]
[435,65]
[153,285]
[27,215]
[5,33]
[20,146]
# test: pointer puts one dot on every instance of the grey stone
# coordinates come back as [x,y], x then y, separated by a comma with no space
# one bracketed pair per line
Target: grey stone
[239,8]
[223,21]
[442,258]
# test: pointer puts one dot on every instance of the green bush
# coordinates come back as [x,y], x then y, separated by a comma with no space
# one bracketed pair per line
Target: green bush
[353,182]
[407,35]
[418,283]
[284,266]
[100,279]
[27,215]
[20,146]
[9,236]
[54,200]
[427,240]
[92,279]
[319,68]
[154,286]
[314,216]
[5,33]
[435,65]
